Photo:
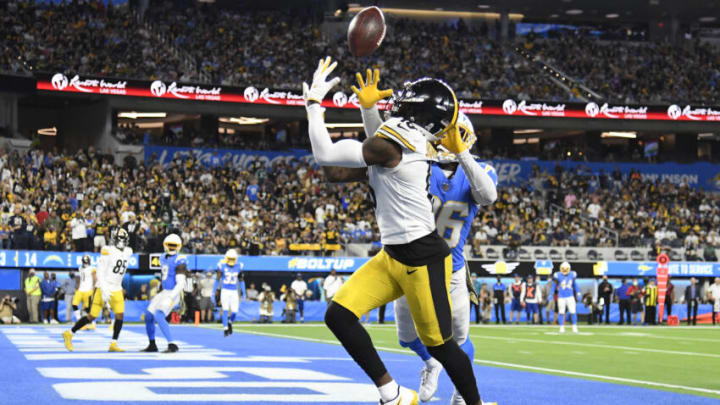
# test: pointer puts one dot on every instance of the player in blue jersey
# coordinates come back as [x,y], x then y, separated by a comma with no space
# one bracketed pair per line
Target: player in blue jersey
[174,271]
[458,190]
[566,283]
[229,274]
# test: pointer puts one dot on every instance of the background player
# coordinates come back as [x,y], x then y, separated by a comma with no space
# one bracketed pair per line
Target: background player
[530,297]
[414,260]
[565,282]
[230,274]
[174,271]
[112,266]
[458,191]
[88,279]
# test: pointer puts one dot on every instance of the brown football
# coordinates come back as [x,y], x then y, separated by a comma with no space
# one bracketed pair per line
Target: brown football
[366,31]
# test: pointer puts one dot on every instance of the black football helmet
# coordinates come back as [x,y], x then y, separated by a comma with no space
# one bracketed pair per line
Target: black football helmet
[122,239]
[86,261]
[429,103]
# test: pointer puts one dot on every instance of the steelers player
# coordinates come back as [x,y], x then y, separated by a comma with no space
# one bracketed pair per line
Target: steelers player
[174,271]
[112,266]
[88,278]
[415,261]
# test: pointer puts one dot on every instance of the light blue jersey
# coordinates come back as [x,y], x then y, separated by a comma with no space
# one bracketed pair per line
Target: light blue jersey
[454,208]
[168,265]
[566,284]
[230,274]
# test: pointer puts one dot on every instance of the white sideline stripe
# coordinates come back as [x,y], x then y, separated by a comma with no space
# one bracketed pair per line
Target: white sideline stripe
[511,365]
[641,349]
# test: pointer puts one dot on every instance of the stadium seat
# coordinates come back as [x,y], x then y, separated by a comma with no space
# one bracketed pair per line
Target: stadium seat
[555,254]
[540,254]
[620,255]
[637,255]
[571,255]
[491,253]
[524,254]
[675,255]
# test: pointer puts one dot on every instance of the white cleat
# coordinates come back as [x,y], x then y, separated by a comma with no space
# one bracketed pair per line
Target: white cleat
[575,329]
[53,322]
[429,380]
[457,399]
[405,396]
[562,329]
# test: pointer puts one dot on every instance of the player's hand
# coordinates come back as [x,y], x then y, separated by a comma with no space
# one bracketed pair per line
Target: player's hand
[453,141]
[368,93]
[320,86]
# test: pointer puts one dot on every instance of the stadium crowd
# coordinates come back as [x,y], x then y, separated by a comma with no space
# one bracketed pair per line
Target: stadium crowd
[57,201]
[189,44]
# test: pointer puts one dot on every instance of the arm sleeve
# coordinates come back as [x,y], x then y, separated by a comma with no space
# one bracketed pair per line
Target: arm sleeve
[242,288]
[344,153]
[482,186]
[371,120]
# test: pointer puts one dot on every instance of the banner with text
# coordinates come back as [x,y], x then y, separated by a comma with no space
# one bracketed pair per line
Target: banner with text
[219,157]
[697,175]
[254,94]
[51,260]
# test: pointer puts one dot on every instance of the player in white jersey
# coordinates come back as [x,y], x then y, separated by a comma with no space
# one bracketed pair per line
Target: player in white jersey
[112,265]
[415,261]
[88,278]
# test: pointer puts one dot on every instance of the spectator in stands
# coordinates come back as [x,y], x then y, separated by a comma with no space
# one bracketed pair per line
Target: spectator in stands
[692,299]
[33,293]
[50,238]
[332,284]
[252,293]
[7,311]
[623,294]
[206,305]
[17,228]
[142,294]
[605,292]
[713,296]
[79,232]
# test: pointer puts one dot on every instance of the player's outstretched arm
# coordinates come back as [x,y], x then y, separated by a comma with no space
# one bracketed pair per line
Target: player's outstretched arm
[482,185]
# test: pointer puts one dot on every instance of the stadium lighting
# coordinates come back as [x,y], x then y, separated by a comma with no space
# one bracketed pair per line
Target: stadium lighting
[148,125]
[47,131]
[615,134]
[574,11]
[612,15]
[483,6]
[707,19]
[133,115]
[409,12]
[527,131]
[243,120]
[344,125]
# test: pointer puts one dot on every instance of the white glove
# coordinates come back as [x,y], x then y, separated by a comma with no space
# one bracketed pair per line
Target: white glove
[105,295]
[320,86]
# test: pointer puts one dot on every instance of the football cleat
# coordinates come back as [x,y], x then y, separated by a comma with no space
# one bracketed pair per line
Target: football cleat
[114,348]
[562,329]
[230,328]
[429,380]
[575,329]
[172,348]
[457,399]
[151,348]
[226,332]
[405,396]
[67,336]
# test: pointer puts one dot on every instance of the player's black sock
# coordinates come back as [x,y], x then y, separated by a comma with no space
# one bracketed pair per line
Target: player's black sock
[79,324]
[459,368]
[75,307]
[116,328]
[355,339]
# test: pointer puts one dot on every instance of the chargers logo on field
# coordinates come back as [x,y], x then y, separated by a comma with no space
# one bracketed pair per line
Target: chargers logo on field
[53,259]
[301,263]
[500,267]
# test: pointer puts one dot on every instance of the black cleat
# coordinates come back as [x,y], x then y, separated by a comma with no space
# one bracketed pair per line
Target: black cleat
[230,328]
[172,348]
[226,332]
[152,348]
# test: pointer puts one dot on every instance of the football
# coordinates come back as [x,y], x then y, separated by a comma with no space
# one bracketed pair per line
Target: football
[366,31]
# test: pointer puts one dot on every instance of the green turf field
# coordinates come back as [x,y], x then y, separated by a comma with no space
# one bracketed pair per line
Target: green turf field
[685,360]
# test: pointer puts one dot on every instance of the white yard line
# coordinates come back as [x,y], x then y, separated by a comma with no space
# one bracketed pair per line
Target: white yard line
[514,366]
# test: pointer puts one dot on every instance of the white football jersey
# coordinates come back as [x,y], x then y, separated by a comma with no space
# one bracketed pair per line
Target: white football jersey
[86,278]
[402,200]
[112,266]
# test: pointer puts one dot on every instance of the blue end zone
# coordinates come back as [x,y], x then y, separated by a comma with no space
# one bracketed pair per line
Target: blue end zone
[251,369]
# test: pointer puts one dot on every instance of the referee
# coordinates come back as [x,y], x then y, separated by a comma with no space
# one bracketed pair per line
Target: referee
[499,300]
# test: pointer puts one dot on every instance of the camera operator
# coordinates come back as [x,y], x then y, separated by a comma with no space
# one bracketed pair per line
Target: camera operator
[7,306]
